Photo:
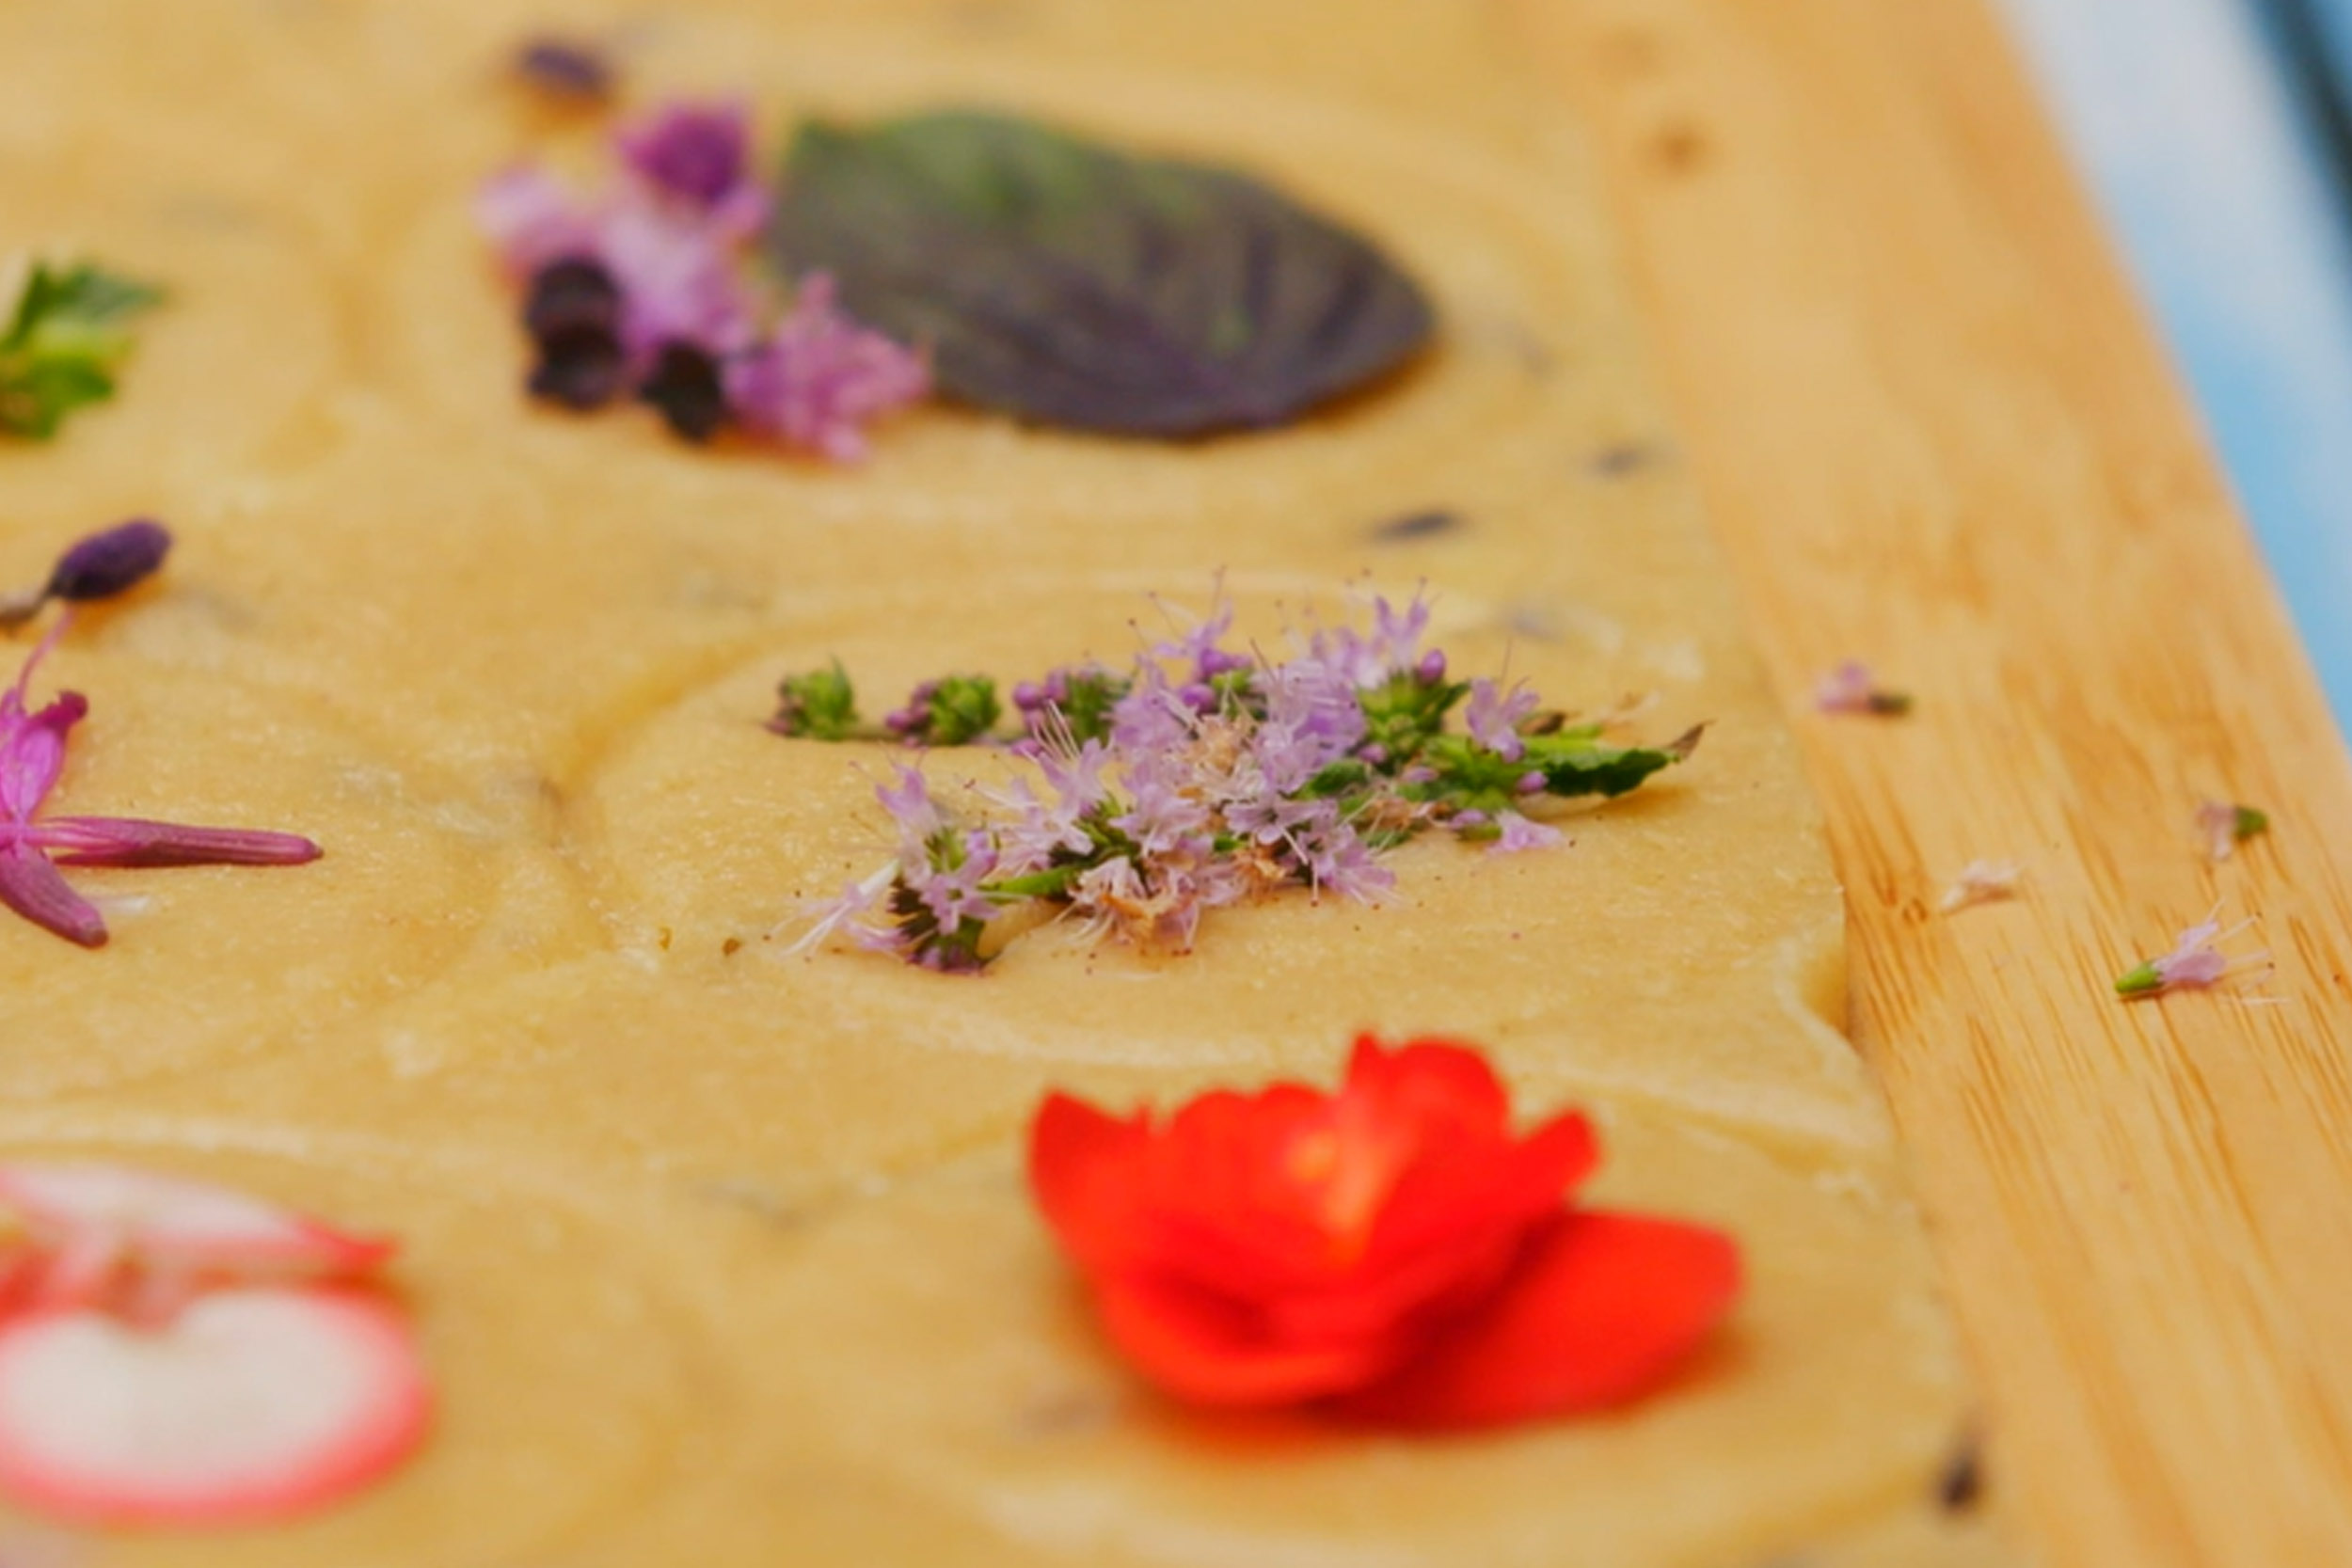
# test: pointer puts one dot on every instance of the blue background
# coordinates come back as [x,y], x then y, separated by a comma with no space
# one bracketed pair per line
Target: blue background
[2215,135]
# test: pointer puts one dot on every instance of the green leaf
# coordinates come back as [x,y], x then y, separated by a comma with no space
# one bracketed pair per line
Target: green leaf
[1075,285]
[68,333]
[1579,766]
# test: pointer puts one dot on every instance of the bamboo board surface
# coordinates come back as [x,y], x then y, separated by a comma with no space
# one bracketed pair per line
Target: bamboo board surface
[1935,431]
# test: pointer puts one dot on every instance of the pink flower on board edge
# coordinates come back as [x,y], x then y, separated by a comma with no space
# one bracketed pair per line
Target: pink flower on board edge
[2195,962]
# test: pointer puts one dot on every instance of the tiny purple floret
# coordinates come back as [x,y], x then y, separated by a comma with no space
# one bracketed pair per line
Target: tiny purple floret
[699,154]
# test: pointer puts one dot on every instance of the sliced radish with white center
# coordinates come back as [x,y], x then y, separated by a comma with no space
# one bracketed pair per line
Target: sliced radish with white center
[248,1405]
[100,1221]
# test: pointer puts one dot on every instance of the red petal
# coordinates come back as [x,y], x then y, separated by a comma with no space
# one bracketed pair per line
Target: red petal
[1601,1311]
[1429,1086]
[1203,1351]
[1087,1172]
[32,887]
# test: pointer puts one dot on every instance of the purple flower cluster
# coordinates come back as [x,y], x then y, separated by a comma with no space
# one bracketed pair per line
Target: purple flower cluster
[645,291]
[1208,777]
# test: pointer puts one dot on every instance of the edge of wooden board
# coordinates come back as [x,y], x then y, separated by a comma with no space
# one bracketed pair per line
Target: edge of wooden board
[1935,431]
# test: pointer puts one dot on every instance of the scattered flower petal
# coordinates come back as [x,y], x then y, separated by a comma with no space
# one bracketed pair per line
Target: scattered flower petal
[2224,826]
[1852,688]
[1519,832]
[1389,1252]
[1981,882]
[2195,962]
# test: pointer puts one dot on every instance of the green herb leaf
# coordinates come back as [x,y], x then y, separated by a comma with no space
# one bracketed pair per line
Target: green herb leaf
[68,333]
[1576,765]
[1078,286]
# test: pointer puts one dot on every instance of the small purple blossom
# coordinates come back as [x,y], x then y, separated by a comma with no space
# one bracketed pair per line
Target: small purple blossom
[532,221]
[32,759]
[910,805]
[950,884]
[1494,719]
[698,157]
[1393,645]
[1519,832]
[679,283]
[820,378]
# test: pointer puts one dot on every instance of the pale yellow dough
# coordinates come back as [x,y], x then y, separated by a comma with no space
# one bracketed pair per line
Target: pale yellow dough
[720,1252]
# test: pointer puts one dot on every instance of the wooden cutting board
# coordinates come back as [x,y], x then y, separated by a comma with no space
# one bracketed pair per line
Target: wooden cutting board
[1936,431]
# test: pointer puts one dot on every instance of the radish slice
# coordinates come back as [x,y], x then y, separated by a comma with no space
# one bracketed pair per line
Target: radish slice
[250,1406]
[97,1222]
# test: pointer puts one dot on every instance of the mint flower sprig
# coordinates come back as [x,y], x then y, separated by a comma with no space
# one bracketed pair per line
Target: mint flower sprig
[1204,777]
[66,335]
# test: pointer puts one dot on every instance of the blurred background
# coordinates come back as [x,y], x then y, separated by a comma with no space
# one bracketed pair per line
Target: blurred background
[2218,134]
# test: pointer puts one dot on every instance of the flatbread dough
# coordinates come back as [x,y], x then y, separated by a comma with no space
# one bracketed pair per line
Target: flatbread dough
[720,1253]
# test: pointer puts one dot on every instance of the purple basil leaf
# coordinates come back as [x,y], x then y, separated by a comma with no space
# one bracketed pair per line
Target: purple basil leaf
[111,563]
[31,886]
[1075,285]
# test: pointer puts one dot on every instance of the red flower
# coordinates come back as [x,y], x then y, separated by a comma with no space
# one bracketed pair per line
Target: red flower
[1390,1249]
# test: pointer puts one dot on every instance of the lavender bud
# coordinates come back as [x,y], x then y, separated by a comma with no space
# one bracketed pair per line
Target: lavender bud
[1531,783]
[1431,669]
[108,564]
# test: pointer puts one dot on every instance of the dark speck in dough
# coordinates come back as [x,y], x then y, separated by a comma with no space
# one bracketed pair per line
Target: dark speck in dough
[1962,1484]
[1428,523]
[1621,459]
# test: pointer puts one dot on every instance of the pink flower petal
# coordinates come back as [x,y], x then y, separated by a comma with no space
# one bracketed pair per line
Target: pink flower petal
[32,750]
[33,888]
[130,841]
